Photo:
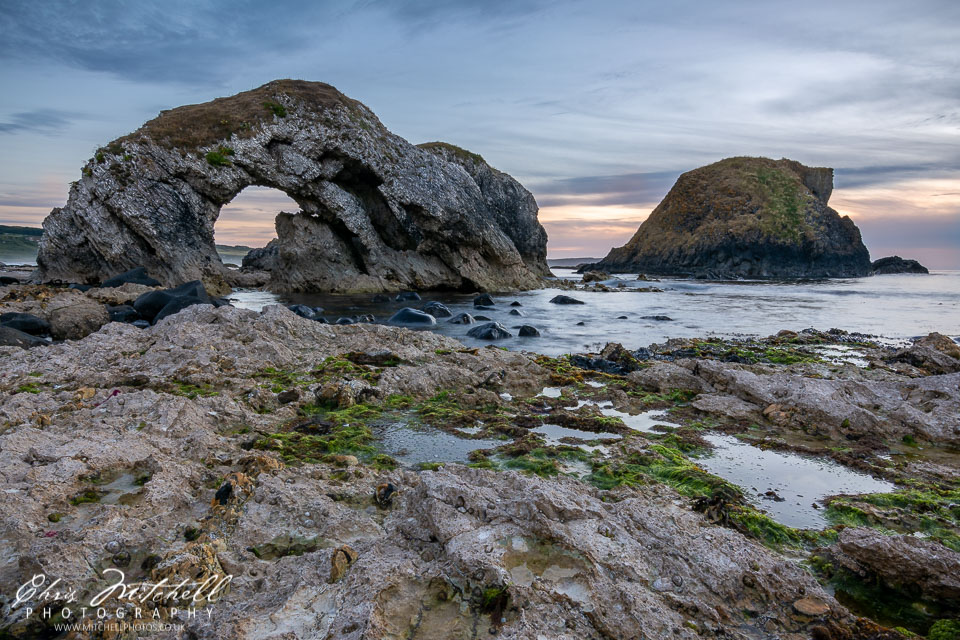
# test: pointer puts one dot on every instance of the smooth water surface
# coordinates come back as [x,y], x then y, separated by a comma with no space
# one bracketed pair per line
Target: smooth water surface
[894,306]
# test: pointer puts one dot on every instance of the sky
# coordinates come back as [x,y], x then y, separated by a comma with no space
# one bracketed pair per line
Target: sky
[595,106]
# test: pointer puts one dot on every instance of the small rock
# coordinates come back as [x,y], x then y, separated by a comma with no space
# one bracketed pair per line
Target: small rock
[288,396]
[517,312]
[562,299]
[658,318]
[461,318]
[529,331]
[437,310]
[490,331]
[383,495]
[595,276]
[409,316]
[407,296]
[516,303]
[380,298]
[483,300]
[343,556]
[25,322]
[136,276]
[810,606]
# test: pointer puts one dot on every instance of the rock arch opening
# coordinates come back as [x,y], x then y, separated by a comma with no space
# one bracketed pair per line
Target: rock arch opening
[248,221]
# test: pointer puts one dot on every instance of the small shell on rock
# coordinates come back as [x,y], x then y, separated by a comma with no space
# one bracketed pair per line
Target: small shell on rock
[113,546]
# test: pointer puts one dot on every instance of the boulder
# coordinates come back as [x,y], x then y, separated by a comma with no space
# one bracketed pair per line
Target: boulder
[122,313]
[178,304]
[411,317]
[462,318]
[528,331]
[407,296]
[75,316]
[896,264]
[149,304]
[902,561]
[562,299]
[745,217]
[377,213]
[483,300]
[10,337]
[25,322]
[595,276]
[437,310]
[137,275]
[490,331]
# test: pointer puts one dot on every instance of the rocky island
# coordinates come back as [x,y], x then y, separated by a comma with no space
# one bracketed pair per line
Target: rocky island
[377,213]
[745,218]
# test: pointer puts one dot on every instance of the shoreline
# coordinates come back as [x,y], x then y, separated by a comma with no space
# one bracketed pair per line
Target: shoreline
[272,421]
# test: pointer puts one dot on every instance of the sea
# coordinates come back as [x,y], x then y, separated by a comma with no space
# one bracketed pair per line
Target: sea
[894,307]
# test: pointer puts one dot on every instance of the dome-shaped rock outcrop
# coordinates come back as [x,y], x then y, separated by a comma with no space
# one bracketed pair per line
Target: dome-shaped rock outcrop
[377,213]
[745,217]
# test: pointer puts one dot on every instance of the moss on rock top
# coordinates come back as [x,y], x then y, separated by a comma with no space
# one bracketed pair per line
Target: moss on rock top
[199,125]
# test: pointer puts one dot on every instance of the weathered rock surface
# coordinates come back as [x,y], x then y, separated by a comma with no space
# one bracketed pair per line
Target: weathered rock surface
[745,217]
[896,264]
[377,213]
[901,562]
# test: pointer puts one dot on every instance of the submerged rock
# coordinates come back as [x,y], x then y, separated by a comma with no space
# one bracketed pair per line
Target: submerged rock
[749,218]
[562,299]
[490,331]
[528,331]
[411,317]
[437,310]
[462,318]
[377,212]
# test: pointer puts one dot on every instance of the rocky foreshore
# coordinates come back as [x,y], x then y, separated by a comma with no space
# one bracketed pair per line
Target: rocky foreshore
[227,442]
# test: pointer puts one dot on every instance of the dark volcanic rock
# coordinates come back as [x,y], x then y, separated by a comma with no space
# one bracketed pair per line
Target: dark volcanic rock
[10,337]
[303,311]
[562,299]
[745,217]
[411,317]
[377,213]
[261,258]
[178,304]
[26,322]
[437,310]
[461,318]
[122,313]
[135,276]
[896,264]
[490,331]
[483,300]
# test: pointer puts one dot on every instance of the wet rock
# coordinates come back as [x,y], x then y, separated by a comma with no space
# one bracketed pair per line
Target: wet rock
[344,320]
[149,304]
[658,318]
[490,331]
[10,337]
[137,275]
[941,343]
[516,303]
[8,280]
[122,313]
[383,495]
[437,310]
[563,299]
[25,322]
[407,296]
[409,316]
[480,318]
[726,405]
[462,318]
[528,331]
[901,561]
[380,298]
[483,300]
[595,276]
[517,312]
[303,311]
[178,304]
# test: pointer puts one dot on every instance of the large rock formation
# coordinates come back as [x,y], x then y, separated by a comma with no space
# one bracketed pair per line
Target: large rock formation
[377,213]
[896,264]
[746,217]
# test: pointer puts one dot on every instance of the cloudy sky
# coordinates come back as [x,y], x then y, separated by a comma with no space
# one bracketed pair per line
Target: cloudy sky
[595,106]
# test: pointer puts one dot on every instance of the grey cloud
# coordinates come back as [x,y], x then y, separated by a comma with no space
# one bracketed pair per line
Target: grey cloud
[622,189]
[38,121]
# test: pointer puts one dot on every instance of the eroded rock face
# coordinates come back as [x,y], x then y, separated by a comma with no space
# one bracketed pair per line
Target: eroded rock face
[745,217]
[377,213]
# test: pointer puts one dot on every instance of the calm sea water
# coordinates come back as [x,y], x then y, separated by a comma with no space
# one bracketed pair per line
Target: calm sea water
[893,306]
